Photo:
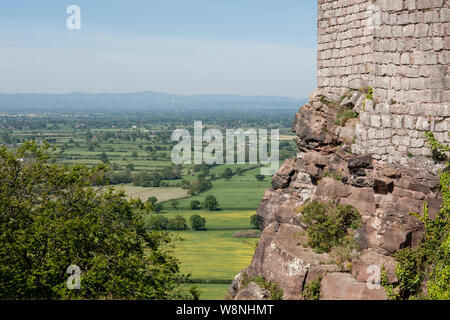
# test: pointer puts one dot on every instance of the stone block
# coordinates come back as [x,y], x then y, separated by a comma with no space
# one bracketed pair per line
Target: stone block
[409,122]
[423,4]
[397,122]
[410,4]
[445,15]
[375,121]
[386,121]
[421,30]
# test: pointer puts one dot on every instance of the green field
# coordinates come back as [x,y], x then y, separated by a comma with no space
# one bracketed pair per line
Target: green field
[212,255]
[241,192]
[222,219]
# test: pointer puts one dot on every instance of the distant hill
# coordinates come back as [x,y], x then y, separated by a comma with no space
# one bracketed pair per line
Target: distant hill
[140,101]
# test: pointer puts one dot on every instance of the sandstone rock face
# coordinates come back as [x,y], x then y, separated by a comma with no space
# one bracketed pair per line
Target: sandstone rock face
[369,263]
[342,286]
[325,170]
[253,292]
[280,257]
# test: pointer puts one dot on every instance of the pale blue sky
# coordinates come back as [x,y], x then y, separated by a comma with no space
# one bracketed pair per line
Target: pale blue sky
[250,47]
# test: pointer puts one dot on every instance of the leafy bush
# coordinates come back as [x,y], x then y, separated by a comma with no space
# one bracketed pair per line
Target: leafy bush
[312,290]
[327,224]
[438,151]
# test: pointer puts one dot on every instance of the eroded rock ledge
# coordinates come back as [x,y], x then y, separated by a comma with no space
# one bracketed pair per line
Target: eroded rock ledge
[325,170]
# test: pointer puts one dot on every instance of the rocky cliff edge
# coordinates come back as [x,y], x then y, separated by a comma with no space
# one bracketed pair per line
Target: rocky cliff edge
[325,170]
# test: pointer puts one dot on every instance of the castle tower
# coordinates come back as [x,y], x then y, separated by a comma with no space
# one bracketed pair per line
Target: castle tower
[398,53]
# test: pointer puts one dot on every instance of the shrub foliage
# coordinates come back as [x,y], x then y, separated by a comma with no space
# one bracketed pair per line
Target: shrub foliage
[327,224]
[51,217]
[424,271]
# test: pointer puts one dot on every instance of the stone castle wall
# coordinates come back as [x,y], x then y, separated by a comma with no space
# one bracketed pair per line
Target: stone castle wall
[344,45]
[400,49]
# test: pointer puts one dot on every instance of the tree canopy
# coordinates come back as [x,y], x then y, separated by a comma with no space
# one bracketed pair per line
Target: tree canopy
[52,216]
[211,203]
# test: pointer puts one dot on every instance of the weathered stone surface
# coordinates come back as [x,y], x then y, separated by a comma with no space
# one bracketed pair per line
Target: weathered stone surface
[281,258]
[391,172]
[279,182]
[253,292]
[390,232]
[277,206]
[362,199]
[369,263]
[235,286]
[287,169]
[383,185]
[342,286]
[363,161]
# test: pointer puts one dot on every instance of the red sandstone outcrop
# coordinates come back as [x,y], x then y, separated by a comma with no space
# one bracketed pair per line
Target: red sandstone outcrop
[325,170]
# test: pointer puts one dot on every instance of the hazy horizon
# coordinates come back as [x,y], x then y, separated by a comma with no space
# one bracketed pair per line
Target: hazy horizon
[153,91]
[253,48]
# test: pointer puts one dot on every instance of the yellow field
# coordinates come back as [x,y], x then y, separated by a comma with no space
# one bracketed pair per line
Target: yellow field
[213,254]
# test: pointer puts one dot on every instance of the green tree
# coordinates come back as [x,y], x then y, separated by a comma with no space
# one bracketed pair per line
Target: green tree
[152,200]
[103,157]
[175,204]
[227,174]
[158,207]
[254,221]
[197,222]
[195,292]
[211,203]
[195,205]
[199,186]
[178,223]
[260,177]
[52,217]
[158,223]
[184,184]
